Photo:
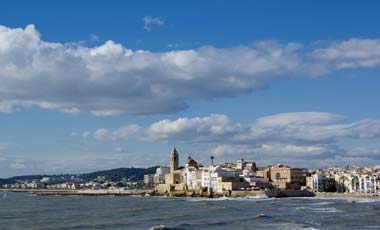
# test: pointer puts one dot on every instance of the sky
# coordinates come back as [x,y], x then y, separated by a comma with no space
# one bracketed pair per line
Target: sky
[92,85]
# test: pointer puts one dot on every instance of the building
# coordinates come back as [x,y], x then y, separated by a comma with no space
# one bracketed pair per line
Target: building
[356,182]
[249,165]
[240,164]
[174,160]
[309,182]
[149,179]
[230,184]
[159,177]
[263,172]
[173,180]
[322,183]
[192,176]
[284,177]
[175,175]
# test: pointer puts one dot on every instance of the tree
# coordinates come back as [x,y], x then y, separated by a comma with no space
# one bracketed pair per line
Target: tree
[278,177]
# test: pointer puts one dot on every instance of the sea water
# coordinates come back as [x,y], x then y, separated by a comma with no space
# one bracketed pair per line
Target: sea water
[25,211]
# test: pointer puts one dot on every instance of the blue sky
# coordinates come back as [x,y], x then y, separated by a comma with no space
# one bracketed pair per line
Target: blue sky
[77,95]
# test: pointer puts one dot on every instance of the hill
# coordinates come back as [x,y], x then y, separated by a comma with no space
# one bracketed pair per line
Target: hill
[133,174]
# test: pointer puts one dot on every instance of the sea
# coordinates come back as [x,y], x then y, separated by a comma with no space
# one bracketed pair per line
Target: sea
[26,211]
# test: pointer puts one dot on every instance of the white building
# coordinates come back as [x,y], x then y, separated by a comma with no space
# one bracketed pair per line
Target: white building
[210,177]
[159,177]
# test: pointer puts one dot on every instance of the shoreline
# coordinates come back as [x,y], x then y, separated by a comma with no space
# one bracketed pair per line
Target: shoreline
[83,192]
[347,195]
[103,192]
[152,193]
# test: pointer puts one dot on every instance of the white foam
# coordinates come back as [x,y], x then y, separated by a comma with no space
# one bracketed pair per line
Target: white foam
[322,203]
[290,226]
[319,210]
[248,198]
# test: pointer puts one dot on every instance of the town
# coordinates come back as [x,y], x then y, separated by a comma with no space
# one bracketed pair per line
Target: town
[219,179]
[245,175]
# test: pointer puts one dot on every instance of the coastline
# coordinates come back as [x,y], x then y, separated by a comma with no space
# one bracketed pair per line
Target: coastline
[82,192]
[347,195]
[237,194]
[103,192]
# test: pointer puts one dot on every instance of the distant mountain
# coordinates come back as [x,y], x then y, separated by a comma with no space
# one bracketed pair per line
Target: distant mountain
[134,174]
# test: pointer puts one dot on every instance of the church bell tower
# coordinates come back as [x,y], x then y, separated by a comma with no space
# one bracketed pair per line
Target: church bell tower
[173,160]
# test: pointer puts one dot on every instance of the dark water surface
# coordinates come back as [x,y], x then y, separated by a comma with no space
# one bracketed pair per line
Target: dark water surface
[24,211]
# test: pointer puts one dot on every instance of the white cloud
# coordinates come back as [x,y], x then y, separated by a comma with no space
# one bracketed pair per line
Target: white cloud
[111,79]
[127,132]
[150,22]
[294,128]
[73,134]
[193,129]
[364,152]
[351,53]
[300,118]
[101,134]
[72,111]
[290,136]
[18,164]
[94,37]
[272,150]
[86,134]
[119,150]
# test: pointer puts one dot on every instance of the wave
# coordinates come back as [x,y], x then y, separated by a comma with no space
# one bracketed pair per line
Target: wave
[323,203]
[247,198]
[319,210]
[348,199]
[161,227]
[351,199]
[290,225]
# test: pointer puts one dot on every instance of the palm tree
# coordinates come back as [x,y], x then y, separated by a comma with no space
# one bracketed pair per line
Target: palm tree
[342,179]
[278,177]
[355,183]
[212,160]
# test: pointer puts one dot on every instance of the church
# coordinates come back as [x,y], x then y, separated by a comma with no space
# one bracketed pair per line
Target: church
[176,179]
[214,178]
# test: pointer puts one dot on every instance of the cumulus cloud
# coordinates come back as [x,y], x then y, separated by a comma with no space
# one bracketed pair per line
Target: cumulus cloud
[301,127]
[73,134]
[305,135]
[351,53]
[101,134]
[194,129]
[128,132]
[150,22]
[86,134]
[111,79]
